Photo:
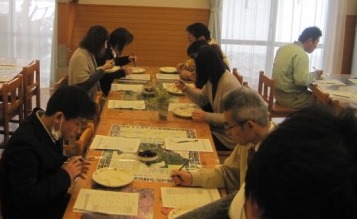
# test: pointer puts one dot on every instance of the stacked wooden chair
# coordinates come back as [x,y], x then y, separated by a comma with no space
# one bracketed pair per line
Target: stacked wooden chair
[11,106]
[31,86]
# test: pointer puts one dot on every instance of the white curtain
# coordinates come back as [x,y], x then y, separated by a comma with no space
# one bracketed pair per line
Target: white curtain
[26,32]
[253,30]
[214,24]
[334,36]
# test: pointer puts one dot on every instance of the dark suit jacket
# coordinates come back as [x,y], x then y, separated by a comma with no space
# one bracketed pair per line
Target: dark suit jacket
[32,182]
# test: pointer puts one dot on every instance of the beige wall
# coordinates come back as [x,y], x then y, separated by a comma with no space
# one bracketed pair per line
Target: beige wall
[352,7]
[152,3]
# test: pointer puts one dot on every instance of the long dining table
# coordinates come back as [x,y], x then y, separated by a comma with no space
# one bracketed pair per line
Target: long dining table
[11,67]
[113,122]
[341,90]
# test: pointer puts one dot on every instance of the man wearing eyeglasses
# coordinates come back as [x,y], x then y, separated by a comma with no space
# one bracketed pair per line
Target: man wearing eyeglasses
[247,119]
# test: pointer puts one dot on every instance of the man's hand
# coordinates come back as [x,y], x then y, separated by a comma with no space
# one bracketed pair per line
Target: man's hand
[180,177]
[76,166]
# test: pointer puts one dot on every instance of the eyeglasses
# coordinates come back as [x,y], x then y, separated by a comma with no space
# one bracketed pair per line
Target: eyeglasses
[227,129]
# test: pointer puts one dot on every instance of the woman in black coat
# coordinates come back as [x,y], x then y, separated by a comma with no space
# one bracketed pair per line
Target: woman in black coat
[118,40]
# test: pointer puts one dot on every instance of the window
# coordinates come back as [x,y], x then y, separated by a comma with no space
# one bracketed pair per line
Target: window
[253,30]
[26,32]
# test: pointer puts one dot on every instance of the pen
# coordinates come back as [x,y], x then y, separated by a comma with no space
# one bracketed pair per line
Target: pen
[187,141]
[183,165]
[338,95]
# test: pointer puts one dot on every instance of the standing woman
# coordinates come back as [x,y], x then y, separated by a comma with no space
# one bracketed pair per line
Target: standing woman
[83,68]
[118,40]
[217,80]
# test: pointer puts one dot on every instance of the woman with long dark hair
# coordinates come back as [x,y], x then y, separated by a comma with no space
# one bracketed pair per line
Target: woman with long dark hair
[217,81]
[83,68]
[118,40]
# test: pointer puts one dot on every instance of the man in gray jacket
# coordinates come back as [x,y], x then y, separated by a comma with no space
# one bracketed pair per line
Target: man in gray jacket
[247,119]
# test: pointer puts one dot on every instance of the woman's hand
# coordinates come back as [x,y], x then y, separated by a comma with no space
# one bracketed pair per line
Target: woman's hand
[180,85]
[199,116]
[186,75]
[133,59]
[181,66]
[109,64]
[128,70]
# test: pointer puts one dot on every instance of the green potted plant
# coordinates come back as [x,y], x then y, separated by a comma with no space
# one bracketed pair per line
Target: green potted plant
[162,100]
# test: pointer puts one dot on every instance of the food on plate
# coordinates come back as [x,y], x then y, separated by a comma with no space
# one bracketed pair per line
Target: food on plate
[114,69]
[138,70]
[171,88]
[185,112]
[168,70]
[147,153]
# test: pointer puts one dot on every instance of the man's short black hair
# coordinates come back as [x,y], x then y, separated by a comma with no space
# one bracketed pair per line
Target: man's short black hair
[310,32]
[198,30]
[307,167]
[73,102]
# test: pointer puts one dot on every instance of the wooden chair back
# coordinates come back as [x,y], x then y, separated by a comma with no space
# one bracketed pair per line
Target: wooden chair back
[63,81]
[31,86]
[245,83]
[320,97]
[238,76]
[85,139]
[266,89]
[11,105]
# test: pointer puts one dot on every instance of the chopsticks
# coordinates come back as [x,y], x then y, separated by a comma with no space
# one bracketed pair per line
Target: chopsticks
[134,59]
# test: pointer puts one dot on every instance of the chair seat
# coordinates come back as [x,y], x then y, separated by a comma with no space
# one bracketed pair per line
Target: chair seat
[277,108]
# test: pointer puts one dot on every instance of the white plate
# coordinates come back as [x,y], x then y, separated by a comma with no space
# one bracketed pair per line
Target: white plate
[184,112]
[178,211]
[169,70]
[114,69]
[138,70]
[112,177]
[172,89]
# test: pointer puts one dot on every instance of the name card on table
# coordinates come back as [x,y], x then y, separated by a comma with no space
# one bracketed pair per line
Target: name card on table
[188,144]
[126,104]
[115,143]
[144,77]
[168,76]
[329,82]
[107,202]
[127,87]
[173,197]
